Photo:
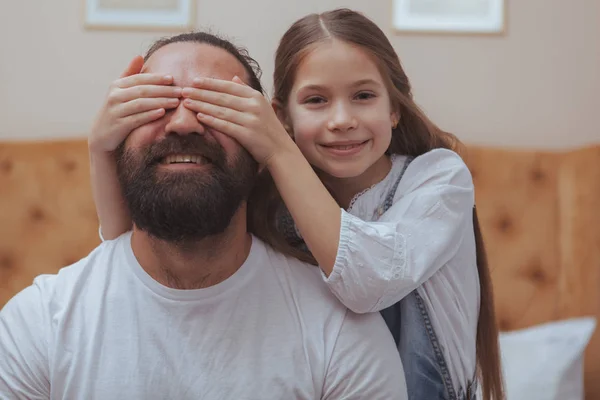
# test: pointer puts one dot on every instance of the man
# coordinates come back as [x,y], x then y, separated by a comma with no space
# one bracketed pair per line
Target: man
[123,323]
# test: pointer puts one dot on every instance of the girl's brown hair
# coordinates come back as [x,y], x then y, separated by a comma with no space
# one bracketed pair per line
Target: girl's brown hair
[414,136]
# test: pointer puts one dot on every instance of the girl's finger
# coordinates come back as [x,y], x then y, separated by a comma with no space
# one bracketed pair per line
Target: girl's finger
[135,67]
[145,104]
[216,98]
[223,86]
[221,113]
[136,120]
[226,127]
[144,91]
[144,79]
[239,80]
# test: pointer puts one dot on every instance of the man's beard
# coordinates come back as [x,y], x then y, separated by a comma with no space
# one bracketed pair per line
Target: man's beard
[188,205]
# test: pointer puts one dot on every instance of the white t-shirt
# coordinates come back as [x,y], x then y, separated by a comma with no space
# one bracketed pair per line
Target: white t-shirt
[104,329]
[425,241]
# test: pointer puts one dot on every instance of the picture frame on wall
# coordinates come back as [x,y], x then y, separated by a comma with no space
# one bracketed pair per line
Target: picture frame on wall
[162,15]
[467,17]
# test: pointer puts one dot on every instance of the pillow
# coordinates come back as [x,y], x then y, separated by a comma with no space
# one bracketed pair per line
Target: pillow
[545,362]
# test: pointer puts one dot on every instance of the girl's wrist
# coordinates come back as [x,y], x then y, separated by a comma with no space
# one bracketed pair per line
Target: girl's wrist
[287,153]
[101,156]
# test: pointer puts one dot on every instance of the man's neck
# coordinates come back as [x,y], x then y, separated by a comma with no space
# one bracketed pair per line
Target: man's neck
[197,264]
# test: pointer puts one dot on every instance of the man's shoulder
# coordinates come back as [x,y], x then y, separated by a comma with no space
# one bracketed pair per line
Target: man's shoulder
[63,285]
[302,281]
[284,262]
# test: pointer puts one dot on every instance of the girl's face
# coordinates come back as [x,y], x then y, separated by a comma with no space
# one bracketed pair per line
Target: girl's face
[340,112]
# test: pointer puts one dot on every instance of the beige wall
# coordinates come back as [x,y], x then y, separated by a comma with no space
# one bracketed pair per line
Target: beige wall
[539,85]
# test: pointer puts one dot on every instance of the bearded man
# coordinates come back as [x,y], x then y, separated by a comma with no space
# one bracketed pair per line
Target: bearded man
[189,304]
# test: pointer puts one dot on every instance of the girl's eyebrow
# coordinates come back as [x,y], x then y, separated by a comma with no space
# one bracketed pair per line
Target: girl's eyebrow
[312,87]
[367,81]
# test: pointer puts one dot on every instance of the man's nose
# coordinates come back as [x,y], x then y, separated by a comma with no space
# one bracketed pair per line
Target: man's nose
[183,121]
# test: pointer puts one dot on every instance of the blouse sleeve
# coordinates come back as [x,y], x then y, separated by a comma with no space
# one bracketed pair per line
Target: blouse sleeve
[379,263]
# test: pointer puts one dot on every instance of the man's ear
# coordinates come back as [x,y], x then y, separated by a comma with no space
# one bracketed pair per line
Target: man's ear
[282,116]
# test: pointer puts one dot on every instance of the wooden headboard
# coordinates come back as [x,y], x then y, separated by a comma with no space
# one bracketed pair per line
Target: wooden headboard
[540,219]
[47,215]
[539,213]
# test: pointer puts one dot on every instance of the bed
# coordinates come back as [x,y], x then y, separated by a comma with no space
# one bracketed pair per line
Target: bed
[539,213]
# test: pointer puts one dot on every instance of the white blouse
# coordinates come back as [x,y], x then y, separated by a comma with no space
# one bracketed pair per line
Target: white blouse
[425,241]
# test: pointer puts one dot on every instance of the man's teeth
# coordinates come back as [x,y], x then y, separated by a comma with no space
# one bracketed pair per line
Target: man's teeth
[184,158]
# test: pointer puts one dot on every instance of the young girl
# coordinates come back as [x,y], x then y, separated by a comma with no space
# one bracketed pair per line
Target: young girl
[376,193]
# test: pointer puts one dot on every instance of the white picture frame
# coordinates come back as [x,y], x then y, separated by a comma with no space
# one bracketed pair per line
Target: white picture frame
[155,15]
[467,17]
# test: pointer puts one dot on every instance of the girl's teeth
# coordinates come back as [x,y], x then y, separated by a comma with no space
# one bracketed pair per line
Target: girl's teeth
[346,147]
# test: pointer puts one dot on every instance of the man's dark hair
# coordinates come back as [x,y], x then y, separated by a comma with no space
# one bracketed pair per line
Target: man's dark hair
[250,65]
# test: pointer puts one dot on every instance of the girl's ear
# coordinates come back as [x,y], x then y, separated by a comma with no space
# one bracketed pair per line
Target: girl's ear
[395,117]
[280,112]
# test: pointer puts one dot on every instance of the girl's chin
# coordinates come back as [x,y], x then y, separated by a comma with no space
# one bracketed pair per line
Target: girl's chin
[339,172]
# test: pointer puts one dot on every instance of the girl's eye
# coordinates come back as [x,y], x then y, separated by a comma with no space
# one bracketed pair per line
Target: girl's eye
[314,100]
[365,95]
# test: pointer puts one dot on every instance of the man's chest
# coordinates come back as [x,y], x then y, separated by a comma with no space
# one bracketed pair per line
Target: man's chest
[182,360]
[165,378]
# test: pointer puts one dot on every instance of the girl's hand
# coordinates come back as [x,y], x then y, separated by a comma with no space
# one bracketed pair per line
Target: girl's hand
[133,100]
[237,110]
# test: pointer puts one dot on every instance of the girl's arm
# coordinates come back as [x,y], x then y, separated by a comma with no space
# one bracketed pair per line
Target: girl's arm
[376,264]
[110,206]
[133,100]
[315,212]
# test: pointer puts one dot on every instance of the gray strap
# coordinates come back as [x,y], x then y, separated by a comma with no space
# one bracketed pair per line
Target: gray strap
[389,199]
